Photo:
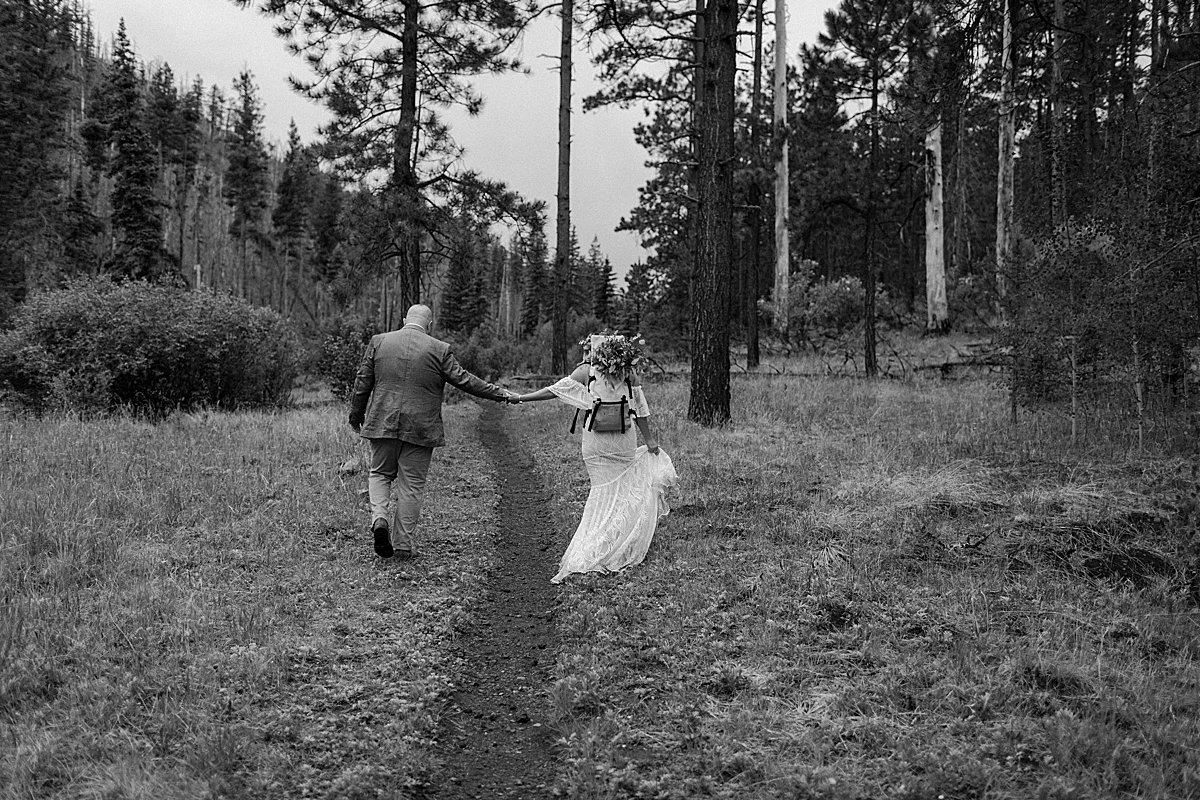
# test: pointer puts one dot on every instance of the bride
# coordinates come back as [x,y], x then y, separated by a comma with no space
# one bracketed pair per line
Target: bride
[628,482]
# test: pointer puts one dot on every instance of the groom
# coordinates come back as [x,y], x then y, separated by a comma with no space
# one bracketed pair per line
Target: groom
[397,406]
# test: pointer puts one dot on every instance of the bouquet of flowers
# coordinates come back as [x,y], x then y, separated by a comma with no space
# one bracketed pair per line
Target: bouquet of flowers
[616,355]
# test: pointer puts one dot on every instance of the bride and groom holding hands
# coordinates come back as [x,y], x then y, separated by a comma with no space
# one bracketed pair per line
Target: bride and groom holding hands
[396,405]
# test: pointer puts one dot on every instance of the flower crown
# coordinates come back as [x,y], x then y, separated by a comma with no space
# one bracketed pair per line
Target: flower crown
[615,354]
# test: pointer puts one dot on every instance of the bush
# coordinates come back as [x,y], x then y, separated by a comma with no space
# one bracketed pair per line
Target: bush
[482,353]
[101,345]
[489,356]
[340,352]
[1095,308]
[833,306]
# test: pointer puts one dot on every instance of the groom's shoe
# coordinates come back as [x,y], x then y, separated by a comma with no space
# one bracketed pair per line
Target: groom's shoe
[383,539]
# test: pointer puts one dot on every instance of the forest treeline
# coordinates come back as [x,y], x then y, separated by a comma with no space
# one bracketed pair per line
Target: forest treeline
[114,166]
[1030,167]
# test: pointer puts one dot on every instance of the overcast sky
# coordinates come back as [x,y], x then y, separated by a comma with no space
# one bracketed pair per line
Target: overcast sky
[514,139]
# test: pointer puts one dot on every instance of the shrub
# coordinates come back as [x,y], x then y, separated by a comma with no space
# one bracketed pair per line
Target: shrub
[491,356]
[833,306]
[1095,308]
[341,350]
[482,353]
[101,345]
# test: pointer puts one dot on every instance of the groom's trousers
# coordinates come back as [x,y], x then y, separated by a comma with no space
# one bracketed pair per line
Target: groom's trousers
[403,466]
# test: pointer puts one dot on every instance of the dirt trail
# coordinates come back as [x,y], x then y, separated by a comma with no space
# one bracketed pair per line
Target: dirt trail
[496,740]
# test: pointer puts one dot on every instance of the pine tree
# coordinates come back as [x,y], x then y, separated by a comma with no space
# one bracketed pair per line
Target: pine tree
[216,112]
[246,176]
[604,290]
[587,272]
[163,114]
[326,228]
[35,44]
[290,217]
[637,299]
[868,38]
[190,143]
[708,402]
[291,214]
[135,205]
[80,227]
[136,219]
[578,288]
[535,306]
[394,67]
[464,303]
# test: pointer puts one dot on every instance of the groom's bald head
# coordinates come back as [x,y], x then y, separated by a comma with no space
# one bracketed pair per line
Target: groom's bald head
[419,314]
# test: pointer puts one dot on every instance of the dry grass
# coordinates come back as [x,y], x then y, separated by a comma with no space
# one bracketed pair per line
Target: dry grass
[863,591]
[192,609]
[876,590]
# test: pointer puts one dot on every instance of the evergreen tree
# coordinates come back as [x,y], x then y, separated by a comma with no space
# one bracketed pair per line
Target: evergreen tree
[587,273]
[579,296]
[637,299]
[535,306]
[869,39]
[80,227]
[291,214]
[464,303]
[393,67]
[135,203]
[190,142]
[716,34]
[290,217]
[246,175]
[35,94]
[163,122]
[120,105]
[216,112]
[136,220]
[191,115]
[604,290]
[326,228]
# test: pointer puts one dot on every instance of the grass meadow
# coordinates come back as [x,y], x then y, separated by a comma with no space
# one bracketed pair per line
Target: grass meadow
[864,590]
[192,609]
[881,590]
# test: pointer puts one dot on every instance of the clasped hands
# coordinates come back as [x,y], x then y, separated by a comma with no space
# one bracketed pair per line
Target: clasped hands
[512,398]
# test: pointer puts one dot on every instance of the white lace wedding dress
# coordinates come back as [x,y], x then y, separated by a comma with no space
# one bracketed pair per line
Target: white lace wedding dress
[628,487]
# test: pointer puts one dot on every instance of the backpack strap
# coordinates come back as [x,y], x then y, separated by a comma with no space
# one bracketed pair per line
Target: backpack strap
[588,416]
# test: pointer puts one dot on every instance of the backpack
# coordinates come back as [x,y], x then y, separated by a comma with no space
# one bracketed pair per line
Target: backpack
[606,416]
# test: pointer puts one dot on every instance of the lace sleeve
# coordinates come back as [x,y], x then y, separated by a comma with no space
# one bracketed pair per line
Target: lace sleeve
[572,392]
[638,402]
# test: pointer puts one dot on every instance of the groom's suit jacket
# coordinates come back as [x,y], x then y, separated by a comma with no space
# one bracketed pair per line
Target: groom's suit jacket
[398,387]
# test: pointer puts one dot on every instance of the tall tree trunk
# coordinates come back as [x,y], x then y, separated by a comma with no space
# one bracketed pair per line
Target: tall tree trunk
[1058,179]
[959,233]
[709,399]
[1004,168]
[870,268]
[405,189]
[937,314]
[756,196]
[698,43]
[782,199]
[562,230]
